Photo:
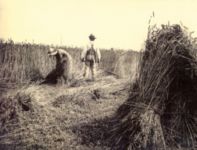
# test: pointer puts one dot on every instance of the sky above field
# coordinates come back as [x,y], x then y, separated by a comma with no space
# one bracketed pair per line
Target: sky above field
[115,23]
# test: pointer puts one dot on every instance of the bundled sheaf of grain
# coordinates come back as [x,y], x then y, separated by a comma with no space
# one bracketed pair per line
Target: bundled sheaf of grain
[117,62]
[161,110]
[126,64]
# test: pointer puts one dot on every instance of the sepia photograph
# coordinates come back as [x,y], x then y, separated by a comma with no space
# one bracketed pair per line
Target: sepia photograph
[98,75]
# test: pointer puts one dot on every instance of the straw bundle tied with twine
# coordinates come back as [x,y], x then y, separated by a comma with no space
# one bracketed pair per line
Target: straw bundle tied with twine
[161,111]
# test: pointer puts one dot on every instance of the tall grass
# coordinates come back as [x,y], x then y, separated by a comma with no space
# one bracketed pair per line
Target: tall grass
[24,62]
[29,62]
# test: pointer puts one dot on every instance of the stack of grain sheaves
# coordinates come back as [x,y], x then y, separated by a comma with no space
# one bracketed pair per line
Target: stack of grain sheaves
[161,110]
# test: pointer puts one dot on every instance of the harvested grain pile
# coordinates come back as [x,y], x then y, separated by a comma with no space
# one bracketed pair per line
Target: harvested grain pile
[26,124]
[161,111]
[17,118]
[126,64]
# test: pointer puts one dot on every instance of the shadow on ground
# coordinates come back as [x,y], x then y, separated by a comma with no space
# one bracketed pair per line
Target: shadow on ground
[96,133]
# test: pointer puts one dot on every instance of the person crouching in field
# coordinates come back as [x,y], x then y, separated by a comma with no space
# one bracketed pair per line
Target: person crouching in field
[90,57]
[63,71]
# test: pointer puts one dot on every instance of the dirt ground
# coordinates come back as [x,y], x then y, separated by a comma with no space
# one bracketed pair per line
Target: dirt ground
[51,117]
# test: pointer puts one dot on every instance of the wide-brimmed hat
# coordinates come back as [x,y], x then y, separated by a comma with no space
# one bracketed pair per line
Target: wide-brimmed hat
[52,51]
[92,37]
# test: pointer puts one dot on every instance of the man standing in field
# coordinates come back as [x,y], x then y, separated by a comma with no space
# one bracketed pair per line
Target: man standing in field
[90,57]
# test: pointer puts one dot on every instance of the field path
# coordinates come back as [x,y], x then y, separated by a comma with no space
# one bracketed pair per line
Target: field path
[66,118]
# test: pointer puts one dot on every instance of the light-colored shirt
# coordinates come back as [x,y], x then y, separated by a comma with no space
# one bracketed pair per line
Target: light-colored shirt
[84,51]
